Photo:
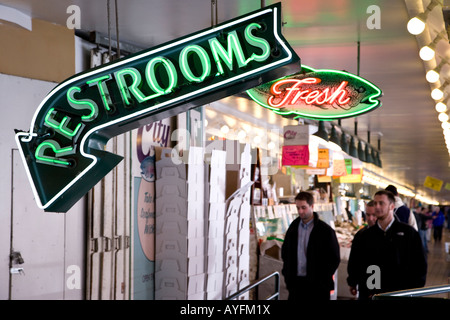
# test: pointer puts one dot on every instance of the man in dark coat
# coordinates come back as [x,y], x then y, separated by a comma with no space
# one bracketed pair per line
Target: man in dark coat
[388,256]
[310,253]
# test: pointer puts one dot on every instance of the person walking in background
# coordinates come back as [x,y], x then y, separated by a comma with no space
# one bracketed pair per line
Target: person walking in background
[371,217]
[429,223]
[354,280]
[388,256]
[310,253]
[401,211]
[423,217]
[438,223]
[447,217]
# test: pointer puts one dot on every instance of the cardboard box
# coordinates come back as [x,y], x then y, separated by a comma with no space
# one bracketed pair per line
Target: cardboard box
[217,211]
[215,263]
[195,229]
[214,295]
[216,229]
[214,282]
[195,247]
[195,211]
[196,265]
[171,187]
[171,208]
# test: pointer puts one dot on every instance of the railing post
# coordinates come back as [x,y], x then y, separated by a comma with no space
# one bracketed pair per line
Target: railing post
[276,294]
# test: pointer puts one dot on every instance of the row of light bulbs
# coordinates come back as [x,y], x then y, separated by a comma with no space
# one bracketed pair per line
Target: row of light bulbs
[416,26]
[241,135]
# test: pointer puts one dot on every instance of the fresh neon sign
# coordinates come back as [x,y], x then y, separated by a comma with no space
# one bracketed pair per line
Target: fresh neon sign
[63,151]
[318,94]
[291,93]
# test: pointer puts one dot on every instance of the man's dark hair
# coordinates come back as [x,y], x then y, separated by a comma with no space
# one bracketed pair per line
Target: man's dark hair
[387,193]
[305,196]
[392,189]
[371,203]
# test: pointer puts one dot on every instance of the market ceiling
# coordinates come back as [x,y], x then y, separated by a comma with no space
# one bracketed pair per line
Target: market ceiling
[324,33]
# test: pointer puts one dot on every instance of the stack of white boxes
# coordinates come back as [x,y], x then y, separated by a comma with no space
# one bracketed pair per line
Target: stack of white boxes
[244,222]
[216,225]
[237,231]
[180,239]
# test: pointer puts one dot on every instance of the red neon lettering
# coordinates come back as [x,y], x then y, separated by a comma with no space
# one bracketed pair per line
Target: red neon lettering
[296,92]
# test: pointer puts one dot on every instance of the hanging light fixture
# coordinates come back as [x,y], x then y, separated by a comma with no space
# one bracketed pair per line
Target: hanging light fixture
[361,153]
[375,157]
[334,140]
[433,75]
[378,159]
[368,154]
[353,151]
[441,106]
[427,52]
[344,144]
[416,25]
[321,132]
[438,93]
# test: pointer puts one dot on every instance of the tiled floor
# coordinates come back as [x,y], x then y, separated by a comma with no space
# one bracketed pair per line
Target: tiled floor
[438,263]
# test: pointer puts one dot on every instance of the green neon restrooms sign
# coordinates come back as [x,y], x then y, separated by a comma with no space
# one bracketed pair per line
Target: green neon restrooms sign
[63,152]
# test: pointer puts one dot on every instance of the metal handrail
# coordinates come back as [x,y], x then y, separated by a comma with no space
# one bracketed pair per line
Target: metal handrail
[274,296]
[413,292]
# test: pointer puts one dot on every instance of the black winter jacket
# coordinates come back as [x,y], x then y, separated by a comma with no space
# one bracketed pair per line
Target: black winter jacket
[398,253]
[322,254]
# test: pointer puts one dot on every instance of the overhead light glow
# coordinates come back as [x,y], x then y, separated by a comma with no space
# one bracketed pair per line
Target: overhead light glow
[426,53]
[441,107]
[443,117]
[437,94]
[415,26]
[241,134]
[224,129]
[445,125]
[432,76]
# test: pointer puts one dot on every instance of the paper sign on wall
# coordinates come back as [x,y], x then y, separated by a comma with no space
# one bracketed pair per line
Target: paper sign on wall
[339,168]
[295,155]
[324,158]
[348,165]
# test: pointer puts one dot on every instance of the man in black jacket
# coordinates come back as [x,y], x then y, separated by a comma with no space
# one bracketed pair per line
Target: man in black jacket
[388,256]
[310,253]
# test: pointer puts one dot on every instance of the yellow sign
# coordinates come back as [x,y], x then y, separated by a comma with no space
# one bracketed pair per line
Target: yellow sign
[447,186]
[324,158]
[433,183]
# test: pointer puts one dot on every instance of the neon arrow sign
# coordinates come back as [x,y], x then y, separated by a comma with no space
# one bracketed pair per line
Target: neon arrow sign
[318,94]
[63,152]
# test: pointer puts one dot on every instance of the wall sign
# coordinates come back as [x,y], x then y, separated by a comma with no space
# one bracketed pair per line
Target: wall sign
[63,151]
[318,94]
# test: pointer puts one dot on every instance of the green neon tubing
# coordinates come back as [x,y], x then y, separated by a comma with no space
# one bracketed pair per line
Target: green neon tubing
[261,43]
[204,60]
[102,89]
[220,54]
[151,77]
[125,90]
[85,104]
[61,126]
[56,149]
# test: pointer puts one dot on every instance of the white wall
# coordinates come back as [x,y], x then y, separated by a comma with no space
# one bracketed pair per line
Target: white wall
[19,98]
